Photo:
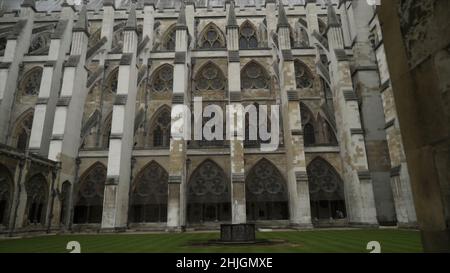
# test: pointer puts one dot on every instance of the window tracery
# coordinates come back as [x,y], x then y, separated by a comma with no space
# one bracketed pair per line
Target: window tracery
[89,203]
[266,193]
[303,77]
[149,196]
[162,79]
[247,36]
[212,38]
[36,188]
[254,76]
[210,78]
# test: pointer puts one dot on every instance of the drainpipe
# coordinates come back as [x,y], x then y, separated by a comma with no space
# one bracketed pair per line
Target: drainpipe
[19,190]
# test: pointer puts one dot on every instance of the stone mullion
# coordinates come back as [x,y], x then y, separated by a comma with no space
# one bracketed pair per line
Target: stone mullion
[116,195]
[18,43]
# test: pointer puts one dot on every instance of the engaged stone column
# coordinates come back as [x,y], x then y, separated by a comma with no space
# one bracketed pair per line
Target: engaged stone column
[116,197]
[180,123]
[65,138]
[238,206]
[357,179]
[18,43]
[299,204]
[51,83]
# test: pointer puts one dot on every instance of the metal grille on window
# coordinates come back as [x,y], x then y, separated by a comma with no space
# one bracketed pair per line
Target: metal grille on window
[247,36]
[149,195]
[36,189]
[266,193]
[89,202]
[326,191]
[208,194]
[254,76]
[210,78]
[303,77]
[162,80]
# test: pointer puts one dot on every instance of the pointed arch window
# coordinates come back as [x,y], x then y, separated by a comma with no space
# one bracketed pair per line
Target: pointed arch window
[32,82]
[266,193]
[2,45]
[106,134]
[169,42]
[247,36]
[65,193]
[36,188]
[212,37]
[210,78]
[113,81]
[254,76]
[89,202]
[326,191]
[23,130]
[162,79]
[161,128]
[5,195]
[40,43]
[309,135]
[302,33]
[208,194]
[303,76]
[322,27]
[149,195]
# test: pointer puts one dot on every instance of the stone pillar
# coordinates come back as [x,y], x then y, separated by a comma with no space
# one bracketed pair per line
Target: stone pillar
[115,204]
[109,9]
[237,173]
[346,21]
[366,80]
[399,175]
[19,201]
[68,116]
[297,179]
[51,83]
[357,179]
[180,122]
[18,43]
[418,66]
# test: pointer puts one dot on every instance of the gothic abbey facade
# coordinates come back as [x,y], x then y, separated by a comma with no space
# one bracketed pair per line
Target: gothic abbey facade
[87,94]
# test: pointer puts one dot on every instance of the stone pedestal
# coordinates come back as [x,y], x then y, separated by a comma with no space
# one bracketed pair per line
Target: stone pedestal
[237,233]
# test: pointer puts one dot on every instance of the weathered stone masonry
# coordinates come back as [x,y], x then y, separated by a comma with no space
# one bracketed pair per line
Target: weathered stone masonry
[88,94]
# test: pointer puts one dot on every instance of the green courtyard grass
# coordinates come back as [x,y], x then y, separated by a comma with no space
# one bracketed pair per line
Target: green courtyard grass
[317,241]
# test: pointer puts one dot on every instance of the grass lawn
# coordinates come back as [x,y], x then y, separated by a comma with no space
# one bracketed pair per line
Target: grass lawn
[289,241]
